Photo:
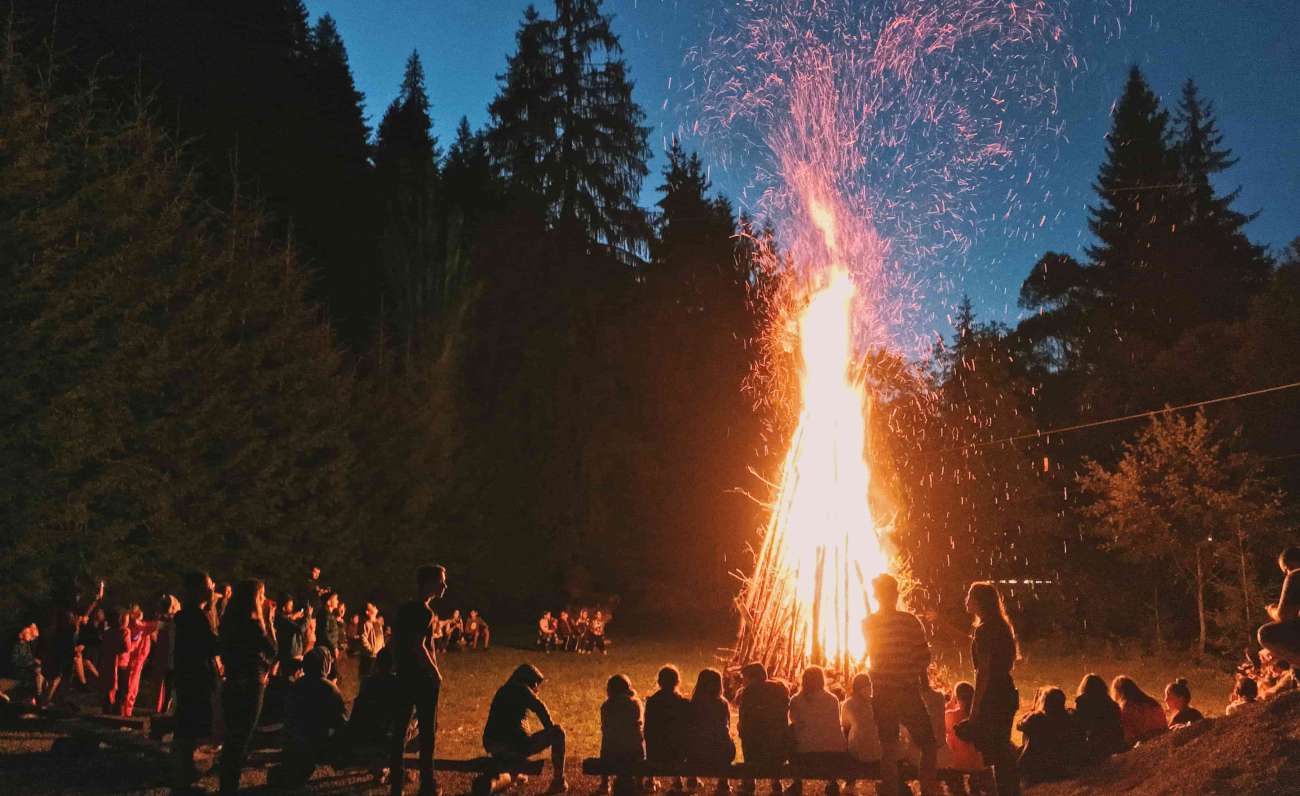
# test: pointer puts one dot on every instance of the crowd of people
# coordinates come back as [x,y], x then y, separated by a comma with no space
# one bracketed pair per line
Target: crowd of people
[225,651]
[583,632]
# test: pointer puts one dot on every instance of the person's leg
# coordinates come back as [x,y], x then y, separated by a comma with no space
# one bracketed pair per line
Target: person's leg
[236,711]
[426,709]
[132,689]
[403,703]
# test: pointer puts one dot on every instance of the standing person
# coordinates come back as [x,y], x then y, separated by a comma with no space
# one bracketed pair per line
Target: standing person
[763,724]
[621,739]
[1053,743]
[197,670]
[900,657]
[994,650]
[1282,636]
[1098,717]
[291,622]
[371,641]
[667,717]
[1139,713]
[329,630]
[115,661]
[143,634]
[815,727]
[69,643]
[1178,702]
[709,737]
[419,681]
[313,589]
[247,650]
[506,736]
[164,653]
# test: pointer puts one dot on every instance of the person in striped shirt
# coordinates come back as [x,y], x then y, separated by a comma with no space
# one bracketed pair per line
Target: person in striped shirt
[898,656]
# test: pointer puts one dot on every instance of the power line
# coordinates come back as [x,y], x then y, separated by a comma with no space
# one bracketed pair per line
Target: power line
[1113,420]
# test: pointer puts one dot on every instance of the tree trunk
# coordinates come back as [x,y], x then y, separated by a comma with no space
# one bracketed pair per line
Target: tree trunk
[1245,580]
[1160,642]
[1200,599]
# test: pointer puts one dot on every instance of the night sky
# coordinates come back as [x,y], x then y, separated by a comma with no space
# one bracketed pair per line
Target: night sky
[1244,54]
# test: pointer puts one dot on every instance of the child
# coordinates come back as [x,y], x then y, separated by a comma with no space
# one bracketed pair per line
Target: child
[1245,692]
[962,755]
[621,741]
[1281,637]
[709,734]
[815,725]
[1098,719]
[1052,743]
[667,717]
[1140,715]
[1178,700]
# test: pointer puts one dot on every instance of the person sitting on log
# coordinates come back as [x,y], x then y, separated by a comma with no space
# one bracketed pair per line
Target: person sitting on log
[819,739]
[763,724]
[477,633]
[582,630]
[597,632]
[546,632]
[564,638]
[1178,702]
[506,736]
[1099,720]
[315,718]
[667,717]
[621,740]
[709,743]
[1053,744]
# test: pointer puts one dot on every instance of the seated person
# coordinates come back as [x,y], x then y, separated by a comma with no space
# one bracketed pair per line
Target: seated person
[815,726]
[1098,719]
[621,741]
[1140,715]
[667,717]
[709,733]
[1244,692]
[1052,741]
[477,633]
[763,724]
[596,632]
[506,735]
[26,666]
[858,720]
[962,755]
[1281,637]
[546,628]
[1178,702]
[453,632]
[315,715]
[371,722]
[564,638]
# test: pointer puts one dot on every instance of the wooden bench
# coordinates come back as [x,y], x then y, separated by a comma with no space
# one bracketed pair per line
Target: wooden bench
[954,778]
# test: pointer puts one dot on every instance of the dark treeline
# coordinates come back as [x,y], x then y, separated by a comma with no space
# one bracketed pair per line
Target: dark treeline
[244,331]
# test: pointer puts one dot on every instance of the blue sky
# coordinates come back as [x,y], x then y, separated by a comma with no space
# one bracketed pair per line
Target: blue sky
[1244,54]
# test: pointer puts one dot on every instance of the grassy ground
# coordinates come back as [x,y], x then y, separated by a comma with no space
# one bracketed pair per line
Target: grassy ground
[574,690]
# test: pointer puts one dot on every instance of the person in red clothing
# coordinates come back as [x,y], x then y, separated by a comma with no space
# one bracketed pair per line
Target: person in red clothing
[143,634]
[1139,713]
[962,755]
[115,660]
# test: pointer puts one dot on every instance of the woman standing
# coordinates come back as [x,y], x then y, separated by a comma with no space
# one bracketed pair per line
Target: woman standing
[994,651]
[247,651]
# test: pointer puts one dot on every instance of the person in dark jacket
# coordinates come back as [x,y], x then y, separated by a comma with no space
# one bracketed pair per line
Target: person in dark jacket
[1098,719]
[1052,741]
[709,734]
[1178,704]
[622,741]
[195,674]
[329,629]
[764,721]
[418,679]
[667,717]
[291,634]
[315,717]
[247,651]
[506,734]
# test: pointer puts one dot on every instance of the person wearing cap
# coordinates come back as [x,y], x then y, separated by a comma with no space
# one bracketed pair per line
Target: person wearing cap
[506,735]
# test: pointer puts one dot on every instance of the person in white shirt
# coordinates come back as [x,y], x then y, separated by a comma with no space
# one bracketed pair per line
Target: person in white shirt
[815,723]
[858,718]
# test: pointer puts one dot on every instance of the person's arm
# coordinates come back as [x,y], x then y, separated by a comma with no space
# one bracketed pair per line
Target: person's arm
[537,706]
[981,678]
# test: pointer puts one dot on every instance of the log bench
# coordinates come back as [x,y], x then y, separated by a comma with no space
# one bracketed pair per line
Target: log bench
[953,778]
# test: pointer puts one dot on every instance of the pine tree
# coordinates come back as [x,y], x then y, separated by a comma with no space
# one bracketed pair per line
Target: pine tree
[336,220]
[406,170]
[567,131]
[471,191]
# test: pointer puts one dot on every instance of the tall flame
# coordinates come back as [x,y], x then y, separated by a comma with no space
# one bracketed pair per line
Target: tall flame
[822,544]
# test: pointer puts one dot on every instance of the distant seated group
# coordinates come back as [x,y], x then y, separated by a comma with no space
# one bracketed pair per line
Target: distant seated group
[583,634]
[461,633]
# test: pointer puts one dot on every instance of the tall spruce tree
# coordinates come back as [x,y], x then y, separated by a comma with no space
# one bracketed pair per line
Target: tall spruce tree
[566,129]
[406,171]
